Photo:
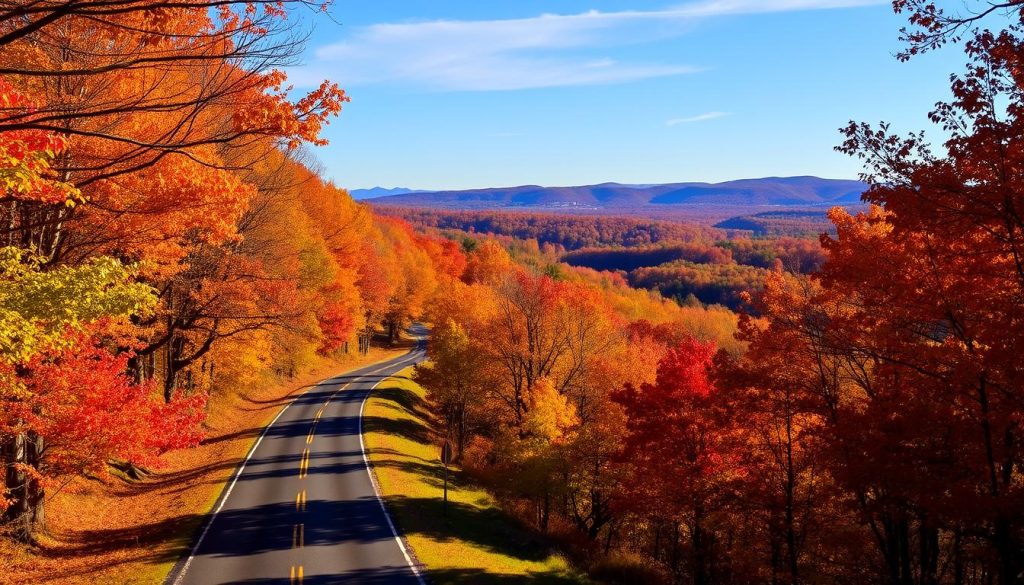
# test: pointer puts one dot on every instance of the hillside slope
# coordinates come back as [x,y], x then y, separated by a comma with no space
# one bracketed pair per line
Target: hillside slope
[772,191]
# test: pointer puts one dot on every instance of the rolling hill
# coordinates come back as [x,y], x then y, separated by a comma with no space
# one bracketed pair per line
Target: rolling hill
[771,192]
[359,194]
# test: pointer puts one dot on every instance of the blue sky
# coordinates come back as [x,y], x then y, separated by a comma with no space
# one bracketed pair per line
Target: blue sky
[463,94]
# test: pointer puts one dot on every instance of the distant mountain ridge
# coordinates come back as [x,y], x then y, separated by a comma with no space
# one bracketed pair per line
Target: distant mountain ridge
[359,194]
[771,191]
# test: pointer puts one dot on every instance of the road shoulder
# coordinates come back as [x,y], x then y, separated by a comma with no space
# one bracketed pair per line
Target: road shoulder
[115,531]
[476,542]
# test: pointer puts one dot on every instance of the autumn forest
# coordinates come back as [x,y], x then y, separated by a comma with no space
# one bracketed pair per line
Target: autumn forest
[811,398]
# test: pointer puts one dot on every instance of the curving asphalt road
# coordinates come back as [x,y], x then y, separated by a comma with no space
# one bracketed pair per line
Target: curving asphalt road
[302,509]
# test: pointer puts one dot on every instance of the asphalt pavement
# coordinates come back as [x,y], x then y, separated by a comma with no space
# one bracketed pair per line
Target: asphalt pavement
[302,509]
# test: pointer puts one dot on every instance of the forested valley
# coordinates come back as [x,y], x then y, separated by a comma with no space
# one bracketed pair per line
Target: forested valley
[664,402]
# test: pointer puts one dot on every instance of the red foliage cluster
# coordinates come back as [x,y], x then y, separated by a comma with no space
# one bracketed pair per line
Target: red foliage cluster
[87,410]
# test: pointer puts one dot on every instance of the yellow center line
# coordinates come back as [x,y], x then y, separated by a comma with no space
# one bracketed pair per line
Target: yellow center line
[300,501]
[304,464]
[295,575]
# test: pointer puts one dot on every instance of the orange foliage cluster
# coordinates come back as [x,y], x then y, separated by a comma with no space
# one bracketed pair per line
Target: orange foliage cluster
[689,263]
[864,428]
[153,152]
[525,353]
[25,156]
[868,432]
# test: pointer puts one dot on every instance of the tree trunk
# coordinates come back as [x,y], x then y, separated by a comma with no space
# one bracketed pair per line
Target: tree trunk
[958,559]
[392,332]
[545,514]
[35,494]
[27,508]
[1009,553]
[170,381]
[928,544]
[175,347]
[774,550]
[608,539]
[657,540]
[460,431]
[699,555]
[792,557]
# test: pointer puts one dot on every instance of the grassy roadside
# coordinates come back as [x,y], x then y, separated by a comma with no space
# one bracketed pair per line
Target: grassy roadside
[112,531]
[477,543]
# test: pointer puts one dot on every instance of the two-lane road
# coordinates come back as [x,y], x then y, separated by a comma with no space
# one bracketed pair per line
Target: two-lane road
[302,509]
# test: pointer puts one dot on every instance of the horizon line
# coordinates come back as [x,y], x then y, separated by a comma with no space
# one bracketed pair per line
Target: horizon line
[632,185]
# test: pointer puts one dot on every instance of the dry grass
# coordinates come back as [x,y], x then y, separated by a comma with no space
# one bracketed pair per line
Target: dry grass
[475,543]
[115,531]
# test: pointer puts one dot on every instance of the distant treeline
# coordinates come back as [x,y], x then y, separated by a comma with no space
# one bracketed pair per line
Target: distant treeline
[711,284]
[571,232]
[781,223]
[802,255]
[629,259]
[710,273]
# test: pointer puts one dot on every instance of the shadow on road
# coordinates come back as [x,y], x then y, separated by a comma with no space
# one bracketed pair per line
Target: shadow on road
[394,576]
[266,528]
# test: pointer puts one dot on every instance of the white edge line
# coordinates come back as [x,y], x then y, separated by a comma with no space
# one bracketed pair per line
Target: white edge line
[252,450]
[224,496]
[376,488]
[238,472]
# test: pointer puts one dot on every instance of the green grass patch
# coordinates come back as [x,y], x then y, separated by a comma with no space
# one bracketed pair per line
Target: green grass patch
[476,542]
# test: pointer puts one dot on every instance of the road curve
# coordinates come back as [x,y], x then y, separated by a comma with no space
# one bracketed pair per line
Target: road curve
[302,509]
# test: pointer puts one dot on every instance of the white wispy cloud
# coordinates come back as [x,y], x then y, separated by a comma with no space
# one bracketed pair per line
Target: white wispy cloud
[697,118]
[524,53]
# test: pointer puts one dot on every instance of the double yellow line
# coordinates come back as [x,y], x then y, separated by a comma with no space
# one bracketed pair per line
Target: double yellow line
[299,530]
[304,464]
